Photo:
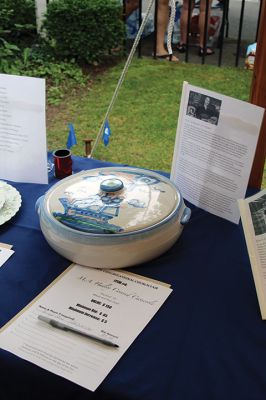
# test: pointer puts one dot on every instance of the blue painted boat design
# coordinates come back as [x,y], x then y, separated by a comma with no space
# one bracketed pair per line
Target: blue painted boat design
[84,216]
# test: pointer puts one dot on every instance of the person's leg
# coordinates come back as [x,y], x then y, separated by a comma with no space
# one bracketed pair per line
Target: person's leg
[202,17]
[162,23]
[184,20]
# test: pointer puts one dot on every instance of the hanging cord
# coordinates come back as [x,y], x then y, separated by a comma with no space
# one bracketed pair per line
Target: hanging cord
[127,64]
[133,49]
[171,26]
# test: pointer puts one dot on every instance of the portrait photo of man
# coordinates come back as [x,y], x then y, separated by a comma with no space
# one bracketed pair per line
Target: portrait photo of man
[204,107]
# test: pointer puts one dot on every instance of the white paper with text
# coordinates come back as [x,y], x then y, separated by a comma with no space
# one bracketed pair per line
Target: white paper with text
[215,146]
[110,304]
[23,150]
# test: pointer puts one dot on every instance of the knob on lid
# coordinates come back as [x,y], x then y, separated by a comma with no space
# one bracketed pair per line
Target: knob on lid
[111,185]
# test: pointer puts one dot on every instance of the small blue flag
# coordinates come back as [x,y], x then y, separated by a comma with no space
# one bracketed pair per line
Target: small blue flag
[71,140]
[106,133]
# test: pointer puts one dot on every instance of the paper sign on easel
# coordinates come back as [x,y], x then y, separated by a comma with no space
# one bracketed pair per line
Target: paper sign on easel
[23,151]
[215,146]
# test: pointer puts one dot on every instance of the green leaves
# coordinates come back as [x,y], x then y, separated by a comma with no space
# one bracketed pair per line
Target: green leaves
[17,14]
[84,29]
[7,53]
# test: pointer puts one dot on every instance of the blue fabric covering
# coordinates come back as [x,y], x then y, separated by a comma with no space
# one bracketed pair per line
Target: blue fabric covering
[206,342]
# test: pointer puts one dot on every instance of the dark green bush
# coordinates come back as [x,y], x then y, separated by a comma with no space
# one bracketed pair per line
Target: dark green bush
[16,15]
[17,31]
[84,29]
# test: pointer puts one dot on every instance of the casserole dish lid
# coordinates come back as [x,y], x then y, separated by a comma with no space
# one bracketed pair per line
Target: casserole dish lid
[112,200]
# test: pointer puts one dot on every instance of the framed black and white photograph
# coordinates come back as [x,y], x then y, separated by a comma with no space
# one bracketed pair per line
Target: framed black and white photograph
[205,108]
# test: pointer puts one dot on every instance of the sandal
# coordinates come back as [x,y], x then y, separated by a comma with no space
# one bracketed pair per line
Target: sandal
[167,57]
[208,51]
[182,48]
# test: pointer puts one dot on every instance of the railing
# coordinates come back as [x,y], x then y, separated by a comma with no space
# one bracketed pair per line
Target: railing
[223,10]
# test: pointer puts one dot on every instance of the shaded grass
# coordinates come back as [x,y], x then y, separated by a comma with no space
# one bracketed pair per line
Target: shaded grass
[144,117]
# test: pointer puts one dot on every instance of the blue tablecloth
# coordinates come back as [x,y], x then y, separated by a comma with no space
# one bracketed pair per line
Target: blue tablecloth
[208,340]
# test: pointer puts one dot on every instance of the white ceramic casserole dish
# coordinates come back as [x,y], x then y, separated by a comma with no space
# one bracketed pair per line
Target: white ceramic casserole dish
[112,217]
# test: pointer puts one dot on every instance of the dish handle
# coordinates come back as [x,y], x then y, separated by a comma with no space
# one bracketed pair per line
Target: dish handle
[38,204]
[185,216]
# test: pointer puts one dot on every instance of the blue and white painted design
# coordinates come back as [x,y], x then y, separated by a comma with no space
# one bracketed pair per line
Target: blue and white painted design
[94,212]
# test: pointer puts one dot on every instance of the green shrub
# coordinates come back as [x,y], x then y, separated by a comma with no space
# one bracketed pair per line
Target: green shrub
[17,15]
[84,29]
[17,31]
[63,79]
[8,54]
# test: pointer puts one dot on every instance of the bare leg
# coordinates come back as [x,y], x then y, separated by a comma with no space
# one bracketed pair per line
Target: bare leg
[202,16]
[162,23]
[184,20]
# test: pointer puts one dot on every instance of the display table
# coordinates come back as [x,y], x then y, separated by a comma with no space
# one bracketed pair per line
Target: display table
[206,342]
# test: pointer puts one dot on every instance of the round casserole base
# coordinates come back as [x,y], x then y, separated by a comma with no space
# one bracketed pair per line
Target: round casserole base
[127,253]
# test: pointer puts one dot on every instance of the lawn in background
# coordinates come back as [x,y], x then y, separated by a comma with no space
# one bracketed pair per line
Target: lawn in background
[143,120]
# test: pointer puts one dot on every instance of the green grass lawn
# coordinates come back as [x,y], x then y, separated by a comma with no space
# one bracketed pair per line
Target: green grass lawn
[144,118]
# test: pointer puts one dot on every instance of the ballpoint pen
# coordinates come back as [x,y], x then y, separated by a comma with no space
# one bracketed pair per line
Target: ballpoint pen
[65,327]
